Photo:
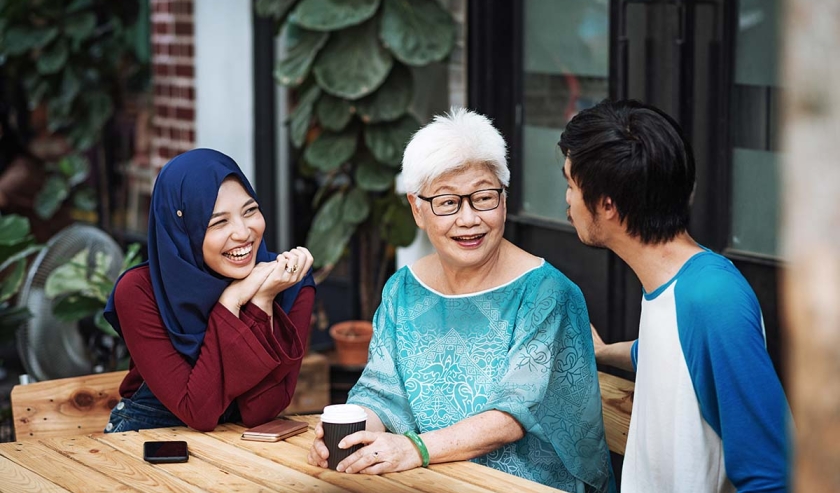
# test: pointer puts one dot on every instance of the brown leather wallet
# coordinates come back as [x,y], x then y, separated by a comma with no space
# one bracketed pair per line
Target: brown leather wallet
[274,431]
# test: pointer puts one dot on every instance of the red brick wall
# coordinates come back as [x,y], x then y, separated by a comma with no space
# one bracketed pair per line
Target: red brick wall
[173,77]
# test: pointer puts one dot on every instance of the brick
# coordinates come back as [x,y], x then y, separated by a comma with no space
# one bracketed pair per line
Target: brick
[182,70]
[161,28]
[185,114]
[183,29]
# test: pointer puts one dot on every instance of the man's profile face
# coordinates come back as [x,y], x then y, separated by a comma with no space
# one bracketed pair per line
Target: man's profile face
[586,223]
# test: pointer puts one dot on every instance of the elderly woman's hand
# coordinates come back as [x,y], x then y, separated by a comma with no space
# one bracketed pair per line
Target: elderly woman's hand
[318,453]
[383,452]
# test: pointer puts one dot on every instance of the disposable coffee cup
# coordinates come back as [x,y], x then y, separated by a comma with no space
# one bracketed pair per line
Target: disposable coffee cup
[340,420]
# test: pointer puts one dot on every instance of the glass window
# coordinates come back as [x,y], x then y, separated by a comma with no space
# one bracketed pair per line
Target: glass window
[566,63]
[755,129]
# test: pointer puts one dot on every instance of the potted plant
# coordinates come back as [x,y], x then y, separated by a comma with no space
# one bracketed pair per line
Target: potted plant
[350,66]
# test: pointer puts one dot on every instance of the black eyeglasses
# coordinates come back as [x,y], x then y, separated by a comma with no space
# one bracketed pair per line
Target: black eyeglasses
[450,203]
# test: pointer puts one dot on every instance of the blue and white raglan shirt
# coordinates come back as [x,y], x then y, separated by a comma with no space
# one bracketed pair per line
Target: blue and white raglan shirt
[709,413]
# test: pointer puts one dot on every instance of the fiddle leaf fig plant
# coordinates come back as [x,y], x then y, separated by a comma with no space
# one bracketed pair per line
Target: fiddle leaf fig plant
[349,63]
[75,60]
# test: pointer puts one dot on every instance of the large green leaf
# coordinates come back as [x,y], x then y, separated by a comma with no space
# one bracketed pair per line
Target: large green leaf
[417,32]
[391,100]
[22,250]
[330,150]
[301,115]
[80,27]
[332,15]
[13,229]
[85,199]
[75,307]
[69,277]
[78,5]
[19,40]
[356,206]
[75,168]
[328,235]
[398,227]
[51,196]
[292,69]
[100,108]
[70,85]
[373,176]
[54,58]
[354,63]
[387,141]
[333,113]
[276,9]
[12,280]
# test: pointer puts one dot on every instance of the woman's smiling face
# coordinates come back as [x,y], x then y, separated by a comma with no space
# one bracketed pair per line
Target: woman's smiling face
[467,238]
[234,232]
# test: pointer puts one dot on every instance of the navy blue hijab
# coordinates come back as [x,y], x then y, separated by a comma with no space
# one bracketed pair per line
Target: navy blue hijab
[185,288]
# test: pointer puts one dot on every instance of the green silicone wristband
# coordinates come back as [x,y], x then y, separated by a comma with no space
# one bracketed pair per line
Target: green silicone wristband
[421,447]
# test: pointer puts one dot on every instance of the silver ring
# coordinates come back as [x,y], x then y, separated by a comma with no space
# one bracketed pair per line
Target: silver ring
[295,268]
[287,270]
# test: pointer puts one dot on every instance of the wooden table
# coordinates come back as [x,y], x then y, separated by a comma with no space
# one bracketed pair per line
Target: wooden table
[220,461]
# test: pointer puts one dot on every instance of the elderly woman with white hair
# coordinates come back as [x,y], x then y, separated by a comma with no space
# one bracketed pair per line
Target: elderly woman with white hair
[480,350]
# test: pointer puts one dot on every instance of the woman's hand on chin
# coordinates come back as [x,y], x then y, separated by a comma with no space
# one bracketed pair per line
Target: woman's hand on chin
[383,452]
[239,292]
[289,269]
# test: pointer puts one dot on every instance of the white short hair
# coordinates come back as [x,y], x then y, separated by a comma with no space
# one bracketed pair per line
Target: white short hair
[452,141]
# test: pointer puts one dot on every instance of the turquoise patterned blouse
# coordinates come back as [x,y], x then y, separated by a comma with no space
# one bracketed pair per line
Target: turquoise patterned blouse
[524,348]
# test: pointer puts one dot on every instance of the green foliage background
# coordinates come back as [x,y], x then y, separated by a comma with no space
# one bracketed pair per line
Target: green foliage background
[348,61]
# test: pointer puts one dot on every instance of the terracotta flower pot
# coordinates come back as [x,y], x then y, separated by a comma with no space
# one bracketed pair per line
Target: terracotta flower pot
[352,339]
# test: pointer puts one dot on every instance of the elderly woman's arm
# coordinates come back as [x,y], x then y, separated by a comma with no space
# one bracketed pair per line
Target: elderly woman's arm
[388,452]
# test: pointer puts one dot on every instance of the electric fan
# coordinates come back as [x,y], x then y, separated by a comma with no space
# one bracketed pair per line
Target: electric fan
[51,348]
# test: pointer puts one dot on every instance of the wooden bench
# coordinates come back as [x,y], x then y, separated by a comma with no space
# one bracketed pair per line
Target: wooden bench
[66,406]
[617,403]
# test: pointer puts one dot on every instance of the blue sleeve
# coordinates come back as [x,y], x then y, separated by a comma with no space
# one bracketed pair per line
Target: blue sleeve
[634,354]
[740,396]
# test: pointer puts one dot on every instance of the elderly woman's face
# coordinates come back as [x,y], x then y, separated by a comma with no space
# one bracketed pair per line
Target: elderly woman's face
[468,237]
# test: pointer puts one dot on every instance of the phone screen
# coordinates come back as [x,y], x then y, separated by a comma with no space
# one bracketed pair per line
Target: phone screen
[168,451]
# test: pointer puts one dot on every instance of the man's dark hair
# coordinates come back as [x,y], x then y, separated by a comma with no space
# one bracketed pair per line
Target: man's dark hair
[637,156]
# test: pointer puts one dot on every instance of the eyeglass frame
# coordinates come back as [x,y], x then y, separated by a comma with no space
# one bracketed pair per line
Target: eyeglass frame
[461,200]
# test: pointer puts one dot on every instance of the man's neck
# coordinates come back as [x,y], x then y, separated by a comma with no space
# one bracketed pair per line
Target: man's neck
[655,265]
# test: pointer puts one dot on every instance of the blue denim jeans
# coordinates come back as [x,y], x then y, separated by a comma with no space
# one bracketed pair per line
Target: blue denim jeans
[143,410]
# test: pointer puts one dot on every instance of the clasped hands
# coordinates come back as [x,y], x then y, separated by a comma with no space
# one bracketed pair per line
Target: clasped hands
[266,280]
[382,452]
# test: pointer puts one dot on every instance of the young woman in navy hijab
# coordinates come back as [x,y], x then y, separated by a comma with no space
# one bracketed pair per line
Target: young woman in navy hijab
[215,324]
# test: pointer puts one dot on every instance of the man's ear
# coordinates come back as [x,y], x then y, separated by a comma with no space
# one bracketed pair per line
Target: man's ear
[608,209]
[415,210]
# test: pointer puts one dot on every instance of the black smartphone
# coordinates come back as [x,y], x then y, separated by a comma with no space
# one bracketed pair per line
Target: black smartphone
[164,452]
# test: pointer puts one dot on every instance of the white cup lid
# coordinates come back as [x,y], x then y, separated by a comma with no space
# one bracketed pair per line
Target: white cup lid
[343,413]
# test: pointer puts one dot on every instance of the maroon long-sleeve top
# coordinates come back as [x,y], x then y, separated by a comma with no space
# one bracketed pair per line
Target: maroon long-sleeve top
[244,359]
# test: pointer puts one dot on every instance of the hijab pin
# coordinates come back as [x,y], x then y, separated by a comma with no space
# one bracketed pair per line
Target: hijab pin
[179,213]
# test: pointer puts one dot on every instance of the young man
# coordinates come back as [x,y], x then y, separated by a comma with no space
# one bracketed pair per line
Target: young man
[709,413]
